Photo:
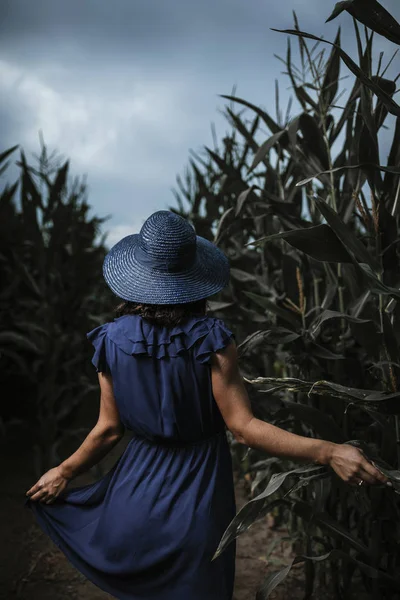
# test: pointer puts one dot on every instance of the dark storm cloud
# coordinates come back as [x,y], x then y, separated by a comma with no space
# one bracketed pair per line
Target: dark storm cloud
[206,33]
[126,87]
[142,24]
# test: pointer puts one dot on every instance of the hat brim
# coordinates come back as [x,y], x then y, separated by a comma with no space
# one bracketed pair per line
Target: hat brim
[134,282]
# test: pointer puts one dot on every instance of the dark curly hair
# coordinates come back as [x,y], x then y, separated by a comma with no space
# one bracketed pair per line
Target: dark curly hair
[163,314]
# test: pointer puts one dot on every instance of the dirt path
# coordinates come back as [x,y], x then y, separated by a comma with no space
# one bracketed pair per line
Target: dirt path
[32,568]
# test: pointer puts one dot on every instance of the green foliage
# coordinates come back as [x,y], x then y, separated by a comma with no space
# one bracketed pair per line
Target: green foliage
[309,217]
[50,262]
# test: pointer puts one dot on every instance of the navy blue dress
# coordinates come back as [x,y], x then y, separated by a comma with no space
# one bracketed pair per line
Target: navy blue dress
[149,528]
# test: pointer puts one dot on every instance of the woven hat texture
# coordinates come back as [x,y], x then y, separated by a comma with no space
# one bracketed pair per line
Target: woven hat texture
[165,263]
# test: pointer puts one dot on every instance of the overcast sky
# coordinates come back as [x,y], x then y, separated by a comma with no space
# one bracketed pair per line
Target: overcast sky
[125,88]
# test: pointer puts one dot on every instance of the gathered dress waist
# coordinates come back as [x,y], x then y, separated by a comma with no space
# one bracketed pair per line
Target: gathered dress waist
[174,443]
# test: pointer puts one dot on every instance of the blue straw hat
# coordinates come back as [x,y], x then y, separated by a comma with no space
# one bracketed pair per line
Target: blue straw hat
[166,263]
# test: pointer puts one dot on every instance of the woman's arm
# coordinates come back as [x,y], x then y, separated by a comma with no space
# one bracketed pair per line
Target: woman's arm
[233,401]
[101,439]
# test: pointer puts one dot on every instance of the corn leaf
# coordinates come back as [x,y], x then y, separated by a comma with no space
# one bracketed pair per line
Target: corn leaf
[320,242]
[392,107]
[258,506]
[371,14]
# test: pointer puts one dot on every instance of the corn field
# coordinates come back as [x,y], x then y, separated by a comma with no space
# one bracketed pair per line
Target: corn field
[307,208]
[51,294]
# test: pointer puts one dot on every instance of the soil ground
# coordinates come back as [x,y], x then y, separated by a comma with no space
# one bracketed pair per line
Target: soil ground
[32,568]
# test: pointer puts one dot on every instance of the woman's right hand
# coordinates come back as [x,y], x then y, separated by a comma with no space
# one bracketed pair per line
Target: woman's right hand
[352,466]
[49,487]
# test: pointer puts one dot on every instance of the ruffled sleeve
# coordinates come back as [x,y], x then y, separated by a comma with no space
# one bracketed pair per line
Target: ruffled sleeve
[134,336]
[217,338]
[98,338]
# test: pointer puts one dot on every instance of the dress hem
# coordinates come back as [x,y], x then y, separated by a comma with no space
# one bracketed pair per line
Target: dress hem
[71,557]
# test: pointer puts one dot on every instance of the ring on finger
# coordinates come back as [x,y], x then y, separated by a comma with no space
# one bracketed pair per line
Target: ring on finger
[361,482]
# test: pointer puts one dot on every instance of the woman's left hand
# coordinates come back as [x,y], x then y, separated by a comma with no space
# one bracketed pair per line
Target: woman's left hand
[49,486]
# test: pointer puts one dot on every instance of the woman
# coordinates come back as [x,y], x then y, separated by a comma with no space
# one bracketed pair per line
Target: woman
[169,373]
